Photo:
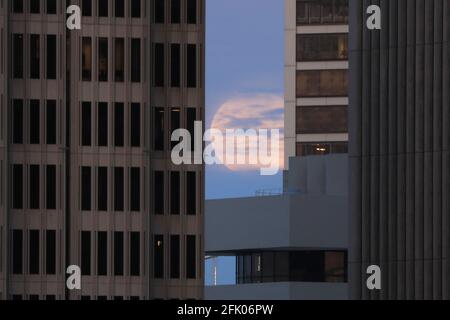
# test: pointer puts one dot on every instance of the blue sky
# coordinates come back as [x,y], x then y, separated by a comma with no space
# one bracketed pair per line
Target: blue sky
[244,57]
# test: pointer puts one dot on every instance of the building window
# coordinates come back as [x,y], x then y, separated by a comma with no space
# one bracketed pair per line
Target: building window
[34,252]
[102,189]
[86,57]
[321,119]
[191,11]
[86,8]
[85,253]
[119,59]
[51,187]
[159,65]
[191,257]
[102,125]
[103,8]
[158,258]
[17,253]
[51,6]
[103,59]
[191,117]
[119,120]
[135,61]
[17,6]
[135,125]
[307,149]
[191,193]
[175,123]
[51,56]
[34,187]
[33,297]
[86,124]
[175,193]
[51,122]
[159,11]
[35,54]
[322,12]
[35,6]
[35,121]
[86,188]
[118,253]
[135,8]
[17,56]
[175,11]
[50,297]
[174,256]
[159,135]
[135,254]
[118,189]
[50,252]
[191,72]
[175,66]
[135,189]
[158,188]
[102,253]
[322,83]
[322,47]
[119,8]
[17,183]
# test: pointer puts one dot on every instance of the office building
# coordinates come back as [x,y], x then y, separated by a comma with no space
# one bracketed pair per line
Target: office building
[85,124]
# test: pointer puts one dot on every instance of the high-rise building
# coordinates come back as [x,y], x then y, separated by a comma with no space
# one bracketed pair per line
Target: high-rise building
[399,149]
[316,67]
[85,125]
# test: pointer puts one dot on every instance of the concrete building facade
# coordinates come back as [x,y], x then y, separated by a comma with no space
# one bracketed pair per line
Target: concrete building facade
[86,174]
[399,149]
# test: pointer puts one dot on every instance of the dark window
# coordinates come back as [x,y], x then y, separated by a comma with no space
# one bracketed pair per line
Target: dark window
[175,257]
[322,12]
[51,187]
[102,189]
[51,6]
[191,117]
[159,11]
[175,67]
[35,55]
[33,297]
[318,47]
[17,56]
[35,122]
[51,122]
[86,188]
[321,119]
[17,176]
[86,124]
[191,68]
[135,8]
[17,6]
[102,252]
[159,192]
[175,193]
[191,11]
[175,11]
[51,56]
[50,297]
[191,257]
[135,61]
[86,59]
[159,129]
[118,253]
[118,189]
[50,252]
[119,59]
[85,298]
[103,59]
[135,125]
[119,8]
[17,254]
[87,8]
[102,298]
[307,149]
[102,125]
[17,297]
[34,187]
[191,193]
[159,65]
[85,253]
[119,125]
[158,259]
[135,189]
[17,122]
[34,252]
[175,122]
[135,253]
[103,8]
[325,83]
[35,6]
